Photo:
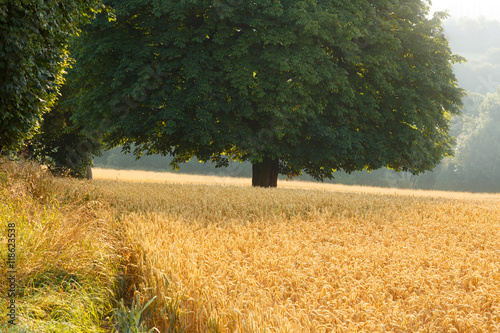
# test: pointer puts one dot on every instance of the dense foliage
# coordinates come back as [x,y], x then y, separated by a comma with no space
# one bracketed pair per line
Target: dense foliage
[34,38]
[61,145]
[290,86]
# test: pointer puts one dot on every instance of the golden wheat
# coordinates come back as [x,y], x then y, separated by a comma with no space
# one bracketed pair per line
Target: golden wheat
[176,178]
[236,259]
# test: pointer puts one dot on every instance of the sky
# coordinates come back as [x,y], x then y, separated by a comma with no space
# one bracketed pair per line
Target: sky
[469,8]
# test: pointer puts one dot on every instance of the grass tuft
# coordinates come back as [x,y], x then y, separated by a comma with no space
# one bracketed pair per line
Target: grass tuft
[130,319]
[66,258]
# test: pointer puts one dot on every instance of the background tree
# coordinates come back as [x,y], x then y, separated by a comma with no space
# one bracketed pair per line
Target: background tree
[477,161]
[61,145]
[290,86]
[476,40]
[34,37]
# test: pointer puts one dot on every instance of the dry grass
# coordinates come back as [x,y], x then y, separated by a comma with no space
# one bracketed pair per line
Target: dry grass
[241,259]
[66,259]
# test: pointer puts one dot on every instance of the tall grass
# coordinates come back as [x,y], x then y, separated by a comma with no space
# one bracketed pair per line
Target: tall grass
[233,259]
[66,256]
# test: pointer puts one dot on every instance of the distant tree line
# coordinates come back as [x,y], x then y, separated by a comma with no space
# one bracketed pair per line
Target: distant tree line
[477,41]
[116,159]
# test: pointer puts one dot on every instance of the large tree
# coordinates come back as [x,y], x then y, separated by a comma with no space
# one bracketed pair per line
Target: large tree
[291,86]
[34,38]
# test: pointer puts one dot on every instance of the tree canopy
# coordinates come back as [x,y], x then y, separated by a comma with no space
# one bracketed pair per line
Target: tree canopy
[290,86]
[34,38]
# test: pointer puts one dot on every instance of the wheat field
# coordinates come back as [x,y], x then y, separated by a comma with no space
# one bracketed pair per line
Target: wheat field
[231,258]
[176,178]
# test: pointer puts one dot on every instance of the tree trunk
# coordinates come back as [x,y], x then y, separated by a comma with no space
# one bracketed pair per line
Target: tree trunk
[265,174]
[89,173]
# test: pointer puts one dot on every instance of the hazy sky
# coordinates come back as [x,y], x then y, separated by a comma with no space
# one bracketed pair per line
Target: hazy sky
[469,8]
